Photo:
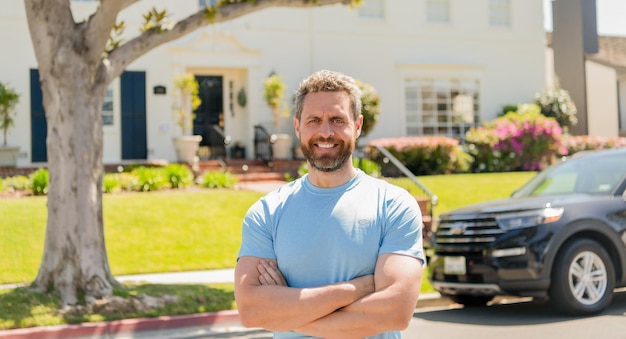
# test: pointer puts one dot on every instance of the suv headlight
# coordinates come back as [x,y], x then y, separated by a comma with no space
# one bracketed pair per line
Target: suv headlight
[529,218]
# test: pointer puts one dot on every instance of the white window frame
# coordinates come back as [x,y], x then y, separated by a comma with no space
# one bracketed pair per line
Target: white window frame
[372,10]
[108,108]
[203,3]
[438,12]
[500,13]
[438,106]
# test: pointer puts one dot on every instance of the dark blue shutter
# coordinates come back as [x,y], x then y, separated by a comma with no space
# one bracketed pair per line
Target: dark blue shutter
[38,125]
[133,91]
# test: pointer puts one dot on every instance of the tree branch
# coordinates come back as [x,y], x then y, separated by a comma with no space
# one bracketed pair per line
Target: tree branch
[128,3]
[148,40]
[99,27]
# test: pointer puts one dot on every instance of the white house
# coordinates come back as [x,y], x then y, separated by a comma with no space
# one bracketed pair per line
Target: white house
[420,55]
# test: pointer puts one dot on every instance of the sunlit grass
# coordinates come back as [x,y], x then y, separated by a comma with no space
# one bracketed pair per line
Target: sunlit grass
[144,232]
[174,231]
[458,190]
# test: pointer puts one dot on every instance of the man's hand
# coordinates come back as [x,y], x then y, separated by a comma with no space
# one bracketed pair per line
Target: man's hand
[264,299]
[398,280]
[269,274]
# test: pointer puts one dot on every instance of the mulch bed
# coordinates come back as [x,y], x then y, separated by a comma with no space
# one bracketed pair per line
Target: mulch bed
[15,194]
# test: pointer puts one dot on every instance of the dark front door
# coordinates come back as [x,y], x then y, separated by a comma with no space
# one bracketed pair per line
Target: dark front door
[209,117]
[38,125]
[133,92]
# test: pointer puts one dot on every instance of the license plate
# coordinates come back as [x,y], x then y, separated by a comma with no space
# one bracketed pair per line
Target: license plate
[454,265]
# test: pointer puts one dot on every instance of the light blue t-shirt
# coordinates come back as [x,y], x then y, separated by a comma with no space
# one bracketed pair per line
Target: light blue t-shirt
[320,236]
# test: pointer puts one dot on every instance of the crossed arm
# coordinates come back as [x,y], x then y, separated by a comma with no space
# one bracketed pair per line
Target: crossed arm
[357,308]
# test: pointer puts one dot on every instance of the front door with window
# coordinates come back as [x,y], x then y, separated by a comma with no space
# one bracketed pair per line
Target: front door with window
[209,117]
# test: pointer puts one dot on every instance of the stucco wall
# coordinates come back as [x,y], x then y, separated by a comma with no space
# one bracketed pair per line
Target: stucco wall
[602,100]
[508,62]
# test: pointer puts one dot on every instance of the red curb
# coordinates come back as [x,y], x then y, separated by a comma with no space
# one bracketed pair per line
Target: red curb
[110,328]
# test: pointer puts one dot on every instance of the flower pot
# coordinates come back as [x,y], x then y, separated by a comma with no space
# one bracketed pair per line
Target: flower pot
[281,147]
[186,147]
[8,155]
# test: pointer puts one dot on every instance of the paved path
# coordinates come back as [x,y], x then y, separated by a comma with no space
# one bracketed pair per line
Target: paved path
[192,277]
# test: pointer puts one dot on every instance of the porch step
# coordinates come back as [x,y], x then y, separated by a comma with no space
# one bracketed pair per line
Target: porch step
[252,170]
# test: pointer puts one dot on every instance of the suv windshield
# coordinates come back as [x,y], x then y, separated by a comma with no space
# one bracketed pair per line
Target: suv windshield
[599,175]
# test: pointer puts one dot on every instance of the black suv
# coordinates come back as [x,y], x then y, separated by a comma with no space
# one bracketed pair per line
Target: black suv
[561,236]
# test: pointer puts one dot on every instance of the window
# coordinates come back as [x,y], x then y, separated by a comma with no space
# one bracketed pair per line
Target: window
[441,107]
[438,11]
[204,3]
[107,108]
[500,13]
[372,9]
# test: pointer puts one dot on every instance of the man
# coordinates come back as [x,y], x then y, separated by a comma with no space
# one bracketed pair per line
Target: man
[336,253]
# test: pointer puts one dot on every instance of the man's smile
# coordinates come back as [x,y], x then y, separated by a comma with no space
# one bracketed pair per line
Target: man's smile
[325,145]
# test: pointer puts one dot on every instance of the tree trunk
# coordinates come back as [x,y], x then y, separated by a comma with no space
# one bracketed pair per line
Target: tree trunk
[74,257]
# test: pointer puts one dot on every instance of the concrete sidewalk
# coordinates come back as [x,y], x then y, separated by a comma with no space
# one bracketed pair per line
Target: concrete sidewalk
[191,277]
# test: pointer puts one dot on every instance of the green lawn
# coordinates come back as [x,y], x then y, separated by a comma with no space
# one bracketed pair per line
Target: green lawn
[144,232]
[172,231]
[190,230]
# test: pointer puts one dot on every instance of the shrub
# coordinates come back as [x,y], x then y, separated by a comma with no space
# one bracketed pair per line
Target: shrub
[506,109]
[16,183]
[556,103]
[178,175]
[303,169]
[149,179]
[424,155]
[217,179]
[38,181]
[110,183]
[127,181]
[519,141]
[370,101]
[576,143]
[368,166]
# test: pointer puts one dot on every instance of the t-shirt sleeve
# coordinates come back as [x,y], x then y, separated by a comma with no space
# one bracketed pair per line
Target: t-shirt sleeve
[256,234]
[403,227]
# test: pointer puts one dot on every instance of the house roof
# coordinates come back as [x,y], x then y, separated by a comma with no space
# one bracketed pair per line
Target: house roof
[611,51]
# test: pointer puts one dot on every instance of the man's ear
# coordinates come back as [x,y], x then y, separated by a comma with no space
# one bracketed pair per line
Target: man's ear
[296,126]
[359,126]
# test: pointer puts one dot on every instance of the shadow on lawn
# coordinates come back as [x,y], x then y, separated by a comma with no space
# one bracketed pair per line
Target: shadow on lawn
[20,307]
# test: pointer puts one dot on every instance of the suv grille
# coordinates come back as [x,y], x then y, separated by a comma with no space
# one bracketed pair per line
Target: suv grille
[477,231]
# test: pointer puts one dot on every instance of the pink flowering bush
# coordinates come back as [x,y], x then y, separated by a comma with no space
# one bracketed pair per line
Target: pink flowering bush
[576,143]
[524,140]
[424,155]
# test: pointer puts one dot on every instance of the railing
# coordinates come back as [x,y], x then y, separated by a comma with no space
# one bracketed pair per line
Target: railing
[425,203]
[263,144]
[433,198]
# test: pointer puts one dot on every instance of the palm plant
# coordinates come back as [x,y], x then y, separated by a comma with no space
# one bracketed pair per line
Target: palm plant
[8,100]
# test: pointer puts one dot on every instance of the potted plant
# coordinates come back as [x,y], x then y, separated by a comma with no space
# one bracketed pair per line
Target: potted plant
[274,91]
[8,100]
[186,101]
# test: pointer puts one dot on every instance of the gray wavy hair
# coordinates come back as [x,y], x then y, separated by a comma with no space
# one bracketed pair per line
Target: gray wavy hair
[329,81]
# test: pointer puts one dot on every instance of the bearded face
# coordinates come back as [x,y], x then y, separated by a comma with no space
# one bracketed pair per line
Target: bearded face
[327,154]
[327,131]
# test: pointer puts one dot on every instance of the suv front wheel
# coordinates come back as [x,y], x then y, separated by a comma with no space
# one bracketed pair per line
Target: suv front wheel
[583,278]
